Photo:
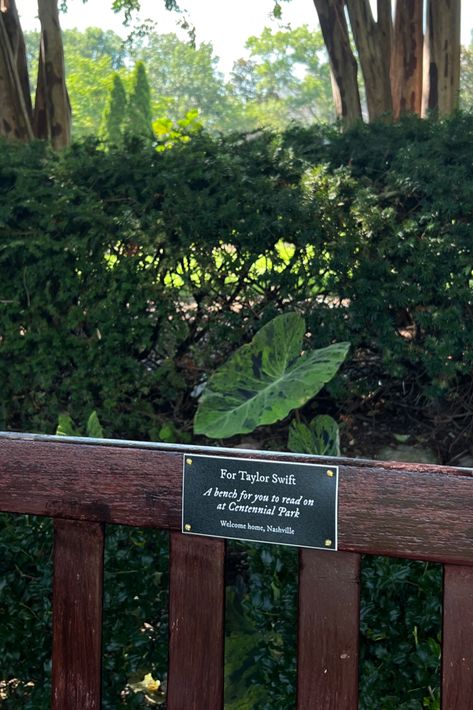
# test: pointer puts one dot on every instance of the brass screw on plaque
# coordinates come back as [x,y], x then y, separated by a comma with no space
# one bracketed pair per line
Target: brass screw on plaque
[189,462]
[328,543]
[187,527]
[330,474]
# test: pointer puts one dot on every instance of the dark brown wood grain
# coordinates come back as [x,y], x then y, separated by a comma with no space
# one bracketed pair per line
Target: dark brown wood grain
[457,645]
[77,615]
[405,510]
[196,623]
[328,630]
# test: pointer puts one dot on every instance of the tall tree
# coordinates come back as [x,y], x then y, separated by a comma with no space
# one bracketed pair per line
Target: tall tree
[373,41]
[51,117]
[343,64]
[406,58]
[139,112]
[115,111]
[16,112]
[441,57]
[52,110]
[390,57]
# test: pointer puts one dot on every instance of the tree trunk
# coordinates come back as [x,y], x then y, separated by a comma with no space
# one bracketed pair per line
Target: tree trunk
[373,42]
[343,64]
[15,101]
[441,58]
[52,114]
[406,63]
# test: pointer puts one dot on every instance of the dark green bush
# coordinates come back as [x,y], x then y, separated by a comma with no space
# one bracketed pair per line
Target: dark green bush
[127,276]
[401,248]
[400,634]
[25,610]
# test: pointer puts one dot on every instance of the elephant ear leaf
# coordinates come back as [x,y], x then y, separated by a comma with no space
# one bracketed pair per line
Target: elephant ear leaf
[321,437]
[265,380]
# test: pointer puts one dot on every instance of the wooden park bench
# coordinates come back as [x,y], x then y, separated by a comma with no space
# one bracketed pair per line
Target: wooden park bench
[414,511]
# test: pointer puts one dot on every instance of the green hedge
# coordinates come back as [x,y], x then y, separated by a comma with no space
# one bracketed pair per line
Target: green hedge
[127,276]
[400,250]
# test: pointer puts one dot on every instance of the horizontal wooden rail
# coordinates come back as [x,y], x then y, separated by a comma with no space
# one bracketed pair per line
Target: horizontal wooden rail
[418,511]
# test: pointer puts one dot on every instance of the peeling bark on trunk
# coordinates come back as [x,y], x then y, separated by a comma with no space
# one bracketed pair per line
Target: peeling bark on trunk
[404,71]
[406,64]
[373,42]
[52,114]
[15,101]
[441,83]
[343,64]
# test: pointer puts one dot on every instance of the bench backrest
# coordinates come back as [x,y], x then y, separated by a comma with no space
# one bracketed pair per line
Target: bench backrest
[416,511]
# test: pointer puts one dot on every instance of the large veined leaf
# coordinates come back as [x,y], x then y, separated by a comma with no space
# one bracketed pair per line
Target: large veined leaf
[321,437]
[265,380]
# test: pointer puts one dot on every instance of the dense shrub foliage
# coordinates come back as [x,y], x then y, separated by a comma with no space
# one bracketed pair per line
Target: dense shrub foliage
[127,276]
[25,610]
[403,254]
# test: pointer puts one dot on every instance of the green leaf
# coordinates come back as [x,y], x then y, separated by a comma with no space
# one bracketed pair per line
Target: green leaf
[266,379]
[65,426]
[320,437]
[301,438]
[93,427]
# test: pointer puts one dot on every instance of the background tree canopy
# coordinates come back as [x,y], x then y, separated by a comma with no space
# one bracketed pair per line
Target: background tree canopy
[286,77]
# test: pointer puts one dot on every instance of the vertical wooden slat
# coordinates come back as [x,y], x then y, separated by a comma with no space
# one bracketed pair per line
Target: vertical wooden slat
[457,644]
[77,615]
[328,631]
[196,623]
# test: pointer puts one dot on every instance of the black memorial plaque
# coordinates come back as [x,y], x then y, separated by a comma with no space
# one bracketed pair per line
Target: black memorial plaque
[260,501]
